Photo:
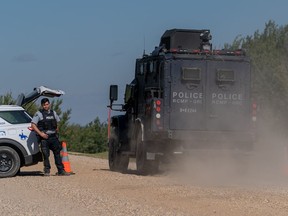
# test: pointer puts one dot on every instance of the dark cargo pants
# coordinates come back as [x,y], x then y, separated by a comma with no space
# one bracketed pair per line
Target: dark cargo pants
[53,144]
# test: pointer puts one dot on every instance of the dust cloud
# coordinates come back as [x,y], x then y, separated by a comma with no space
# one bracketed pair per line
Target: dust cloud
[266,164]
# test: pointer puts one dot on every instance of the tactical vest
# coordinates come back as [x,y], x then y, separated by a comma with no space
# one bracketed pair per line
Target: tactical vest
[48,122]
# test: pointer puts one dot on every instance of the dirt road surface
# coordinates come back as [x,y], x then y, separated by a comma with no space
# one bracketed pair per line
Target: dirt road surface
[94,190]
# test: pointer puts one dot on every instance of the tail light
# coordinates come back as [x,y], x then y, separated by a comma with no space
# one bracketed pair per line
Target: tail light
[156,115]
[158,112]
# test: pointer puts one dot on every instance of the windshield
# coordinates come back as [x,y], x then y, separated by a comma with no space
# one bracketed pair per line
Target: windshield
[15,116]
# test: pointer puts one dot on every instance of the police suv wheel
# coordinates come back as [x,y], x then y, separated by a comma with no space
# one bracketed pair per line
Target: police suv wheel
[9,162]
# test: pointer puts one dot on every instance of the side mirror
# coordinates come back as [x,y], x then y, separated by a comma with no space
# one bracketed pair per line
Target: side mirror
[113,93]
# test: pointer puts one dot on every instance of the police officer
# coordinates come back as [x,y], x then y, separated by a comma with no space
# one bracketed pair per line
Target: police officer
[44,123]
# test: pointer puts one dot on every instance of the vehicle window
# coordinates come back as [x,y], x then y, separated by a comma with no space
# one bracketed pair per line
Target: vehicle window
[225,75]
[193,74]
[15,117]
[141,71]
[151,67]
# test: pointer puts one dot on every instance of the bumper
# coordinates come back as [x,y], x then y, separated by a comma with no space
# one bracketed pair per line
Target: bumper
[203,139]
[33,159]
[214,136]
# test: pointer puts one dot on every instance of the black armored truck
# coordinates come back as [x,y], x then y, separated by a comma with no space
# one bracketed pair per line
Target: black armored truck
[185,95]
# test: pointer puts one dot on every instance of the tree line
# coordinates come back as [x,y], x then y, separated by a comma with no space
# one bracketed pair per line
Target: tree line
[268,51]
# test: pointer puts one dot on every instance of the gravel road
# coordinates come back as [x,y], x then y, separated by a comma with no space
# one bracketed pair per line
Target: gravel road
[94,190]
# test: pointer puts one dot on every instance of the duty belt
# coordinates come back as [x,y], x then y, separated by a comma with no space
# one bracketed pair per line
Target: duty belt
[52,135]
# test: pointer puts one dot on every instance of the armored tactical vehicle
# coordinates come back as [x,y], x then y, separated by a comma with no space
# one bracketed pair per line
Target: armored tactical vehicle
[185,95]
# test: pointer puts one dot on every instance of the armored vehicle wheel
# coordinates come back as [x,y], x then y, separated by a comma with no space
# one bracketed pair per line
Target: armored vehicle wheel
[123,163]
[117,161]
[9,162]
[144,166]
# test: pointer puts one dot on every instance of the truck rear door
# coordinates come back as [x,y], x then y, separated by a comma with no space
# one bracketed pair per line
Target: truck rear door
[187,103]
[227,95]
[209,95]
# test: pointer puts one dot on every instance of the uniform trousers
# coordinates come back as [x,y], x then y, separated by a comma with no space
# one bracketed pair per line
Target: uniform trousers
[53,144]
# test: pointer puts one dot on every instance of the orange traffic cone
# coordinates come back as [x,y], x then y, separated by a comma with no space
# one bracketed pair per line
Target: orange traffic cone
[65,159]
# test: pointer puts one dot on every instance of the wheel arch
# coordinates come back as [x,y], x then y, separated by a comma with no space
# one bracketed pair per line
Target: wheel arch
[17,147]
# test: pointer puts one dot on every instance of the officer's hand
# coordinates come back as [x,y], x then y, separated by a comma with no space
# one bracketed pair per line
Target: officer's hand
[44,135]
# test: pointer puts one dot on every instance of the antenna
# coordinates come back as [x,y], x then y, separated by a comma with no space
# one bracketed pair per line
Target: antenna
[144,45]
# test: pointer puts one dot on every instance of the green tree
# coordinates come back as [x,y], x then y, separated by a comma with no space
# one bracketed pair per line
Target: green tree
[91,138]
[7,99]
[269,53]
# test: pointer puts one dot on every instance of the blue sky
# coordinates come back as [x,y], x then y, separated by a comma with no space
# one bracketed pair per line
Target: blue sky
[84,46]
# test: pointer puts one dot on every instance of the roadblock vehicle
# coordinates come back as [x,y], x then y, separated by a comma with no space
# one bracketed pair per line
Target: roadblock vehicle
[184,96]
[18,143]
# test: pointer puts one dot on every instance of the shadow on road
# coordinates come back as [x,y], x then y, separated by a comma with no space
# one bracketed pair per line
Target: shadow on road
[30,173]
[133,172]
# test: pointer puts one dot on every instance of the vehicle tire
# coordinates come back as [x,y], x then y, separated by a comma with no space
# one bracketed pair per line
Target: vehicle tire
[123,163]
[154,166]
[112,155]
[9,162]
[144,166]
[117,161]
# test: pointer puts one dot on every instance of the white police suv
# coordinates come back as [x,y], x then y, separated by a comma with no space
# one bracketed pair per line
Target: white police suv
[18,143]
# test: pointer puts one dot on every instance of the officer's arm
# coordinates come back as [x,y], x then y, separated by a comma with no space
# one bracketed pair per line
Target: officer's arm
[58,120]
[40,133]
